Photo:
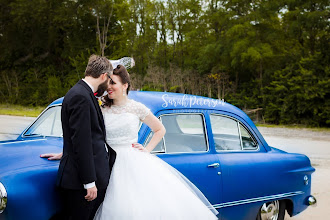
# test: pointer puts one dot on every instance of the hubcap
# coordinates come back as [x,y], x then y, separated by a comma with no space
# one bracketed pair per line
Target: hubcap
[270,210]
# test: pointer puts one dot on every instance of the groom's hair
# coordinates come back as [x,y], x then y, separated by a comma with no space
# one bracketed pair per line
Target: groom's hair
[97,66]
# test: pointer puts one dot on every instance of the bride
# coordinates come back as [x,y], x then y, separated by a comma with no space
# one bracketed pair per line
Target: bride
[142,186]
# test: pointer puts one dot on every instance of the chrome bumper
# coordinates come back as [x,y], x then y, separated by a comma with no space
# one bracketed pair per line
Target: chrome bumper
[3,198]
[311,201]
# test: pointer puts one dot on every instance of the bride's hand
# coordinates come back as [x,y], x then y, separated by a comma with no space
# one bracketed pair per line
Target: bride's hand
[139,147]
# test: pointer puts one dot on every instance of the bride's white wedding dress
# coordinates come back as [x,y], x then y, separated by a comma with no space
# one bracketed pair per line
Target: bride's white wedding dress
[142,186]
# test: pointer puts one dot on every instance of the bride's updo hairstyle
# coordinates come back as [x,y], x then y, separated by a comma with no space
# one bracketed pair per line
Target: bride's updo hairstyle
[120,71]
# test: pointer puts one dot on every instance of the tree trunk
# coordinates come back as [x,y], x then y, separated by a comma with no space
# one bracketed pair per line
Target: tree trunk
[236,82]
[7,83]
[16,84]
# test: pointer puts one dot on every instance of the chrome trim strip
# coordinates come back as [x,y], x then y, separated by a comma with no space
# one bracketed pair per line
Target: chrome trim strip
[258,199]
[240,135]
[23,141]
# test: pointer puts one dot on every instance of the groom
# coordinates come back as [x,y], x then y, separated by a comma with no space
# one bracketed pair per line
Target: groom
[87,160]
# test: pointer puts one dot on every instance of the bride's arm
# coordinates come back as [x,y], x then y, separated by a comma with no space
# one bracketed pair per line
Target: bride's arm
[157,127]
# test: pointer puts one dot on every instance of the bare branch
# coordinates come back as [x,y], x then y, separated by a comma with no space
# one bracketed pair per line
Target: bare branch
[113,38]
[98,31]
[103,39]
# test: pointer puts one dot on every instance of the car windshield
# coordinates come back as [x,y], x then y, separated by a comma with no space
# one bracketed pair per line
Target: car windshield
[48,124]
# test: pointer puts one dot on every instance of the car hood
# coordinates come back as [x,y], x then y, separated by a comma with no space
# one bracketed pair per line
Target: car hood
[20,154]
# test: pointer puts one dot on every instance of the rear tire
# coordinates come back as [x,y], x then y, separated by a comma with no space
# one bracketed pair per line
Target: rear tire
[274,210]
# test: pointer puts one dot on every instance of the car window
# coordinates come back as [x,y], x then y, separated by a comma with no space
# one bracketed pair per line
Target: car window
[247,141]
[184,133]
[230,134]
[48,124]
[225,133]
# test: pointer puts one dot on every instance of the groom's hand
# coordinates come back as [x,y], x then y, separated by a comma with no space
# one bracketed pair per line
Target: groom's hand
[91,194]
[52,156]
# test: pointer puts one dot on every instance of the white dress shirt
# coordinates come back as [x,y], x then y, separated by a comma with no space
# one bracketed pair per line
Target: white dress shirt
[92,88]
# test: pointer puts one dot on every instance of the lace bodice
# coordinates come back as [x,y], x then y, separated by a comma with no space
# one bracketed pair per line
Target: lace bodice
[122,122]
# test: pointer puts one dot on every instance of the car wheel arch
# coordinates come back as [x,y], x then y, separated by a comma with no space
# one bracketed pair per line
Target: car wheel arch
[281,211]
[289,206]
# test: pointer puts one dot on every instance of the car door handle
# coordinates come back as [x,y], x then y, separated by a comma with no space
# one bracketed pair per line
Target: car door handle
[214,165]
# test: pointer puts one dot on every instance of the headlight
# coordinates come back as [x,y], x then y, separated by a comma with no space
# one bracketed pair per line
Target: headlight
[3,198]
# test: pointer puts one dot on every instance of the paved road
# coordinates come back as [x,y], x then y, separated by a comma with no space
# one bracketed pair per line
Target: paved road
[316,145]
[12,126]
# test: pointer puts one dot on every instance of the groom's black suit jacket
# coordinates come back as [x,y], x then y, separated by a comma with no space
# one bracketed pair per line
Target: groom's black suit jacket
[85,158]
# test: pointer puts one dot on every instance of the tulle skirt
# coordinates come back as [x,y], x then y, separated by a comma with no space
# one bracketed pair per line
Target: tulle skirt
[144,187]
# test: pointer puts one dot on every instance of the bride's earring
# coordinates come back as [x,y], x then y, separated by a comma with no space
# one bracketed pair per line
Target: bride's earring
[124,93]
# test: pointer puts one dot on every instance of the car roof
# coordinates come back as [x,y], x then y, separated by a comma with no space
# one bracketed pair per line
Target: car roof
[157,101]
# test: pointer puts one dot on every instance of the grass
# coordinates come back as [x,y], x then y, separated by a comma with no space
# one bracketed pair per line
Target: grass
[18,110]
[296,126]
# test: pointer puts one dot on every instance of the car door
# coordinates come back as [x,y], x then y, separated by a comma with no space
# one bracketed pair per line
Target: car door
[185,146]
[243,164]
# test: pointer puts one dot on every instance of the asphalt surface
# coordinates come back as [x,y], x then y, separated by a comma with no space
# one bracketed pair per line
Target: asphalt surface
[314,144]
[12,126]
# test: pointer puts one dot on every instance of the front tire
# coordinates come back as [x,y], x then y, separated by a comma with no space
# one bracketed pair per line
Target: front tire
[274,210]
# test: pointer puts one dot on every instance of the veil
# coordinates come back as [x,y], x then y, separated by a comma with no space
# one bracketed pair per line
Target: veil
[127,62]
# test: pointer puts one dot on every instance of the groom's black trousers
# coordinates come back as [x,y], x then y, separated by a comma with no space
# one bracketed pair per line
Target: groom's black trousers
[76,207]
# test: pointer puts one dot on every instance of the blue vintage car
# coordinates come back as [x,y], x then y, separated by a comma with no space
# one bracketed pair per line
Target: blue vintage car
[213,143]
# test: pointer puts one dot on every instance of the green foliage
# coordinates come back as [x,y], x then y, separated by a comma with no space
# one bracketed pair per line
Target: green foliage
[256,54]
[300,94]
